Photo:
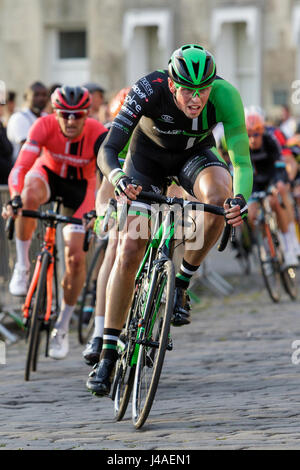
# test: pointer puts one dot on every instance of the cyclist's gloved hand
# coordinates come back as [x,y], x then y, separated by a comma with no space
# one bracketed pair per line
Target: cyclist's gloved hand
[122,184]
[88,219]
[125,185]
[15,203]
[239,200]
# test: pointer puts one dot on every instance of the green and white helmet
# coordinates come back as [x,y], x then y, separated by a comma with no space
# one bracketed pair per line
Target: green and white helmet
[192,66]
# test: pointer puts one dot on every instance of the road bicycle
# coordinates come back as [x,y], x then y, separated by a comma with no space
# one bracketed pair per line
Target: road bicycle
[41,305]
[270,251]
[146,335]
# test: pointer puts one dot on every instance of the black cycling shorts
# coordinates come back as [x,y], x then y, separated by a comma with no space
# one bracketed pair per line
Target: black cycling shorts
[72,191]
[154,176]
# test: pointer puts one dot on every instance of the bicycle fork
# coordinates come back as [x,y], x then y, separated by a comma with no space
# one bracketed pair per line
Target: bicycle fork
[141,338]
[48,251]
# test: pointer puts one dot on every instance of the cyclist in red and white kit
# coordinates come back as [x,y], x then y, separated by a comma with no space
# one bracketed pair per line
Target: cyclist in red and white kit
[57,159]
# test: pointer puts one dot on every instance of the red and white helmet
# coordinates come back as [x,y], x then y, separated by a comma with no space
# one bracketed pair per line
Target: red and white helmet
[69,98]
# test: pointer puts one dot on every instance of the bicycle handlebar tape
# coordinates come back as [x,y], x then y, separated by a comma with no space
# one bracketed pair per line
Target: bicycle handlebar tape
[10,228]
[87,239]
[123,216]
[225,237]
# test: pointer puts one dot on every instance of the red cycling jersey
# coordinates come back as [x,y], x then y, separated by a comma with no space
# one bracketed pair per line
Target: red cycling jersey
[67,167]
[62,156]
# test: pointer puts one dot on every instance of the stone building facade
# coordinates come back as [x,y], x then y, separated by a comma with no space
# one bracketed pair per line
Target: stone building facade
[113,42]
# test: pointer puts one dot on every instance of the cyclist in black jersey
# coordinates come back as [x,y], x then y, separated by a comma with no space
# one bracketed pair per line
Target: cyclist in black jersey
[270,172]
[169,116]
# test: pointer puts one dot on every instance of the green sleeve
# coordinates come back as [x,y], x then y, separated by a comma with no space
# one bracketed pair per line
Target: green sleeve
[230,111]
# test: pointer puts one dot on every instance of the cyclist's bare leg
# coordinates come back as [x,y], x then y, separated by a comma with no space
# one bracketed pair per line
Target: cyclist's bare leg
[129,254]
[104,273]
[105,192]
[253,208]
[281,213]
[74,277]
[286,219]
[213,186]
[33,195]
[75,271]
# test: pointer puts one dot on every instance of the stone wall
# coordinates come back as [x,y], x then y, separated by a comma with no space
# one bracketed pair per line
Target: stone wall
[23,25]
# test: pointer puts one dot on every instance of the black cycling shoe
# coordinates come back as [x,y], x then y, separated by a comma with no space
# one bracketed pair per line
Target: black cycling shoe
[91,354]
[181,315]
[99,381]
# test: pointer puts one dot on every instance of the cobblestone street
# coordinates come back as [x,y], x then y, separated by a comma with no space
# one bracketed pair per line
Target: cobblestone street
[229,383]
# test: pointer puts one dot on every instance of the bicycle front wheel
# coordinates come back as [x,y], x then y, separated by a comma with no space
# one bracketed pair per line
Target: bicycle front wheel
[37,318]
[289,281]
[125,366]
[153,343]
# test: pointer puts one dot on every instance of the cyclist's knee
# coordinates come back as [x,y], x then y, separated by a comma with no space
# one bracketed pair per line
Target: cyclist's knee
[75,261]
[216,197]
[281,188]
[33,196]
[129,256]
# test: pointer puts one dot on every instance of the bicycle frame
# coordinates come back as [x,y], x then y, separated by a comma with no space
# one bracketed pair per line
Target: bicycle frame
[265,217]
[161,242]
[49,247]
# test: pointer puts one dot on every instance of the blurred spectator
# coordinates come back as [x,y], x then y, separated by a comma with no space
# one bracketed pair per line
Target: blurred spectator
[18,126]
[48,108]
[6,151]
[97,96]
[288,123]
[10,106]
[109,110]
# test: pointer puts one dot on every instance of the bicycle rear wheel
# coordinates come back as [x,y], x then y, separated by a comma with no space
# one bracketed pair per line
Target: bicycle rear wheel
[266,246]
[86,312]
[153,343]
[37,318]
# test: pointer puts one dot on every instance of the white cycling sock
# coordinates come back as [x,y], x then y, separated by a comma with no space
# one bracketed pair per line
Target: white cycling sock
[64,318]
[293,233]
[22,249]
[99,327]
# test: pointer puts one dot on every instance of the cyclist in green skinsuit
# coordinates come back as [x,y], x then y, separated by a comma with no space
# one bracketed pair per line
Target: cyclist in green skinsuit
[169,116]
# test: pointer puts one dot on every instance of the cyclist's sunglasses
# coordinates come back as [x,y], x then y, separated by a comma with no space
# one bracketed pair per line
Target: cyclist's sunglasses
[71,114]
[255,134]
[195,90]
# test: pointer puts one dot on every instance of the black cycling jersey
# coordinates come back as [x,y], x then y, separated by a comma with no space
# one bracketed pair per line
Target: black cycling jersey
[265,158]
[164,138]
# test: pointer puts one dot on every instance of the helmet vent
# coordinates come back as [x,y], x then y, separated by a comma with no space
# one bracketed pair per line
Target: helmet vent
[196,68]
[208,66]
[184,66]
